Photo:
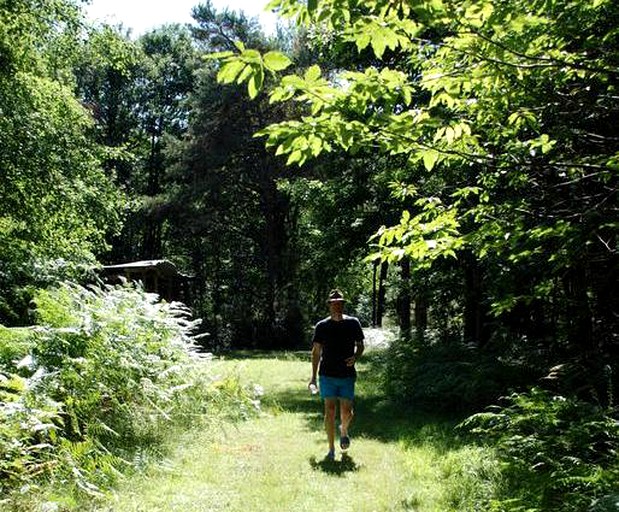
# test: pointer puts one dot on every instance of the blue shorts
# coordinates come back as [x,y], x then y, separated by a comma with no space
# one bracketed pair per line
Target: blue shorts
[334,387]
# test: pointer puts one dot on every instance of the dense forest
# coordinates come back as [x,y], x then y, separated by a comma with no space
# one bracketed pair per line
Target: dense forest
[452,165]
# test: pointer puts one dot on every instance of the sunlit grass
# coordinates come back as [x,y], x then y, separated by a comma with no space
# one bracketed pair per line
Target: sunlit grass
[399,460]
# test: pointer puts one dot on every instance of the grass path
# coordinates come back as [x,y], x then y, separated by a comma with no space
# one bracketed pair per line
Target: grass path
[275,461]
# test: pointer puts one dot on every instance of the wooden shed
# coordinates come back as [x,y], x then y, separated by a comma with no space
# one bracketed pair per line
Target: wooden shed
[157,276]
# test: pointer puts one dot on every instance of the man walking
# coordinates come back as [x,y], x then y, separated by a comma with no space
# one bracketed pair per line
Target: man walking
[336,346]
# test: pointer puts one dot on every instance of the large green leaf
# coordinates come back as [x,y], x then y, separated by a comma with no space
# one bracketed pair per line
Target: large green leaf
[230,71]
[255,83]
[276,61]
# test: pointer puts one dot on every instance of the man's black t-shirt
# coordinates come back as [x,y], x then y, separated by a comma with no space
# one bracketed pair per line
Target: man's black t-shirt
[338,339]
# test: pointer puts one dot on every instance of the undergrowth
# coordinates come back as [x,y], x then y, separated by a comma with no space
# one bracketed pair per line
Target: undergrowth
[449,376]
[89,393]
[557,453]
[560,454]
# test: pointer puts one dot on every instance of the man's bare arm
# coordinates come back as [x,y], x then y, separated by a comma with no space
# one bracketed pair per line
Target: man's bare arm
[359,348]
[316,353]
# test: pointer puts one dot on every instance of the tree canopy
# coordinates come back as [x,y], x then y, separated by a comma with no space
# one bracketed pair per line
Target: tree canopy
[56,203]
[500,115]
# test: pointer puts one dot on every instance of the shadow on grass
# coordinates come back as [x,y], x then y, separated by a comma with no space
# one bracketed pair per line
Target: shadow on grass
[376,417]
[335,467]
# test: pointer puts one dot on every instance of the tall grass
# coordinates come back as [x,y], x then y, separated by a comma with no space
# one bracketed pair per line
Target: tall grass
[89,393]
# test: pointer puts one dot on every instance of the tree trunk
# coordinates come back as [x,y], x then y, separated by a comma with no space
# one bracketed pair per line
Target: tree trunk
[374,295]
[404,299]
[421,313]
[607,308]
[153,221]
[151,239]
[578,312]
[274,243]
[380,306]
[474,310]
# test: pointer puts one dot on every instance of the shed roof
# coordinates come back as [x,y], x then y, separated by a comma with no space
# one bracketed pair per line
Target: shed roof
[164,267]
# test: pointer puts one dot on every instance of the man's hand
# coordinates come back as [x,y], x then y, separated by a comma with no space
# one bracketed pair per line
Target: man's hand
[312,387]
[350,361]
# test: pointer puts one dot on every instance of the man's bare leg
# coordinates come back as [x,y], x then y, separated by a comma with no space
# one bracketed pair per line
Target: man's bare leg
[330,406]
[346,415]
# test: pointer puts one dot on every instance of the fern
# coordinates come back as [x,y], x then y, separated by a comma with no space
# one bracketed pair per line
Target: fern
[107,370]
[559,453]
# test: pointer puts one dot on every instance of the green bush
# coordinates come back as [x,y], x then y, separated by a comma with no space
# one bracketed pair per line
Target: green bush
[96,382]
[448,376]
[560,454]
